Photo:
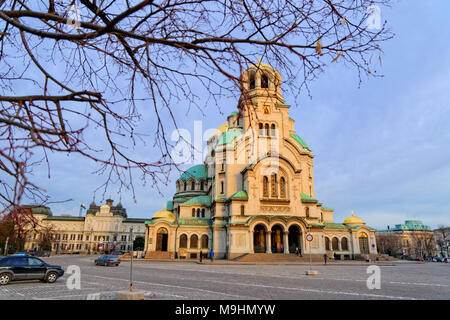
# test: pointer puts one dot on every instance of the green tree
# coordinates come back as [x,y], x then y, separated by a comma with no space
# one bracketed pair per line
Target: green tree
[139,243]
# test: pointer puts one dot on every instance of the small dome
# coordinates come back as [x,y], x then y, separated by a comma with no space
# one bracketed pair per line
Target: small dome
[354,220]
[164,214]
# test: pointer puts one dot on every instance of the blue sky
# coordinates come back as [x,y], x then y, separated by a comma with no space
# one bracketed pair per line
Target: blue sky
[381,149]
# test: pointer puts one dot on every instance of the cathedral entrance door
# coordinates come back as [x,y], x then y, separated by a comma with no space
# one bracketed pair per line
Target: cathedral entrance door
[259,239]
[277,239]
[162,239]
[363,243]
[295,235]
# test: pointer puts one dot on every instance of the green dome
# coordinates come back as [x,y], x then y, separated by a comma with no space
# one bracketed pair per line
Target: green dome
[196,172]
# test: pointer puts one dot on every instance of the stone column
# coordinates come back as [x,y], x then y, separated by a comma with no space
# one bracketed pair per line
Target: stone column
[252,239]
[268,242]
[286,242]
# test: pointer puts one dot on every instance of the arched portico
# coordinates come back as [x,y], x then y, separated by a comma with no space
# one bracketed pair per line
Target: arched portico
[259,238]
[295,239]
[277,235]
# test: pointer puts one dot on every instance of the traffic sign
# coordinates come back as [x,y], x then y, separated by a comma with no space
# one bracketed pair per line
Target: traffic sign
[309,237]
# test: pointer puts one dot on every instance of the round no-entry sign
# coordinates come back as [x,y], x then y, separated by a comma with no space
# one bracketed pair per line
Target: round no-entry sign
[309,237]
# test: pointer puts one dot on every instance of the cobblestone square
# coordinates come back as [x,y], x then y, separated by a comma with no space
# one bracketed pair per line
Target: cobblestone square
[220,281]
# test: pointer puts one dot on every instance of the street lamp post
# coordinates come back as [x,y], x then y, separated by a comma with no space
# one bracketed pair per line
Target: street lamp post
[131,265]
[6,247]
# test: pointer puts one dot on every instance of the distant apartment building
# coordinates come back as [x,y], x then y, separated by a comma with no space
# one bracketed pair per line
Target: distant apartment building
[412,238]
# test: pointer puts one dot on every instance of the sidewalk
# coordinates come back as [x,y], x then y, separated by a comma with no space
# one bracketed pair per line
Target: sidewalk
[277,263]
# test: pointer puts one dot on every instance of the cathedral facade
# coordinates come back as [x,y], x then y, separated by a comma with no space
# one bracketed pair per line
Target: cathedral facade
[255,191]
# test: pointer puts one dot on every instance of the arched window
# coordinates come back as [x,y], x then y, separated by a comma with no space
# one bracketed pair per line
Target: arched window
[307,212]
[202,185]
[252,80]
[221,187]
[261,129]
[194,241]
[183,241]
[282,188]
[265,187]
[335,243]
[267,129]
[193,185]
[273,185]
[204,241]
[264,81]
[242,210]
[184,185]
[198,213]
[272,130]
[344,244]
[203,212]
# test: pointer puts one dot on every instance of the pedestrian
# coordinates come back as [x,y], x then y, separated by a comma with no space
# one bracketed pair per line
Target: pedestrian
[325,258]
[211,255]
[281,248]
[201,254]
[296,251]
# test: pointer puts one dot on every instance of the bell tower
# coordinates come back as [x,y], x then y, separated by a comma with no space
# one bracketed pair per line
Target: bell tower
[262,82]
[261,104]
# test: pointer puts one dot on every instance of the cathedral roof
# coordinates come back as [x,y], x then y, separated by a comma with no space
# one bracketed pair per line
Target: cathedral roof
[201,200]
[242,194]
[196,172]
[229,136]
[169,205]
[306,198]
[300,140]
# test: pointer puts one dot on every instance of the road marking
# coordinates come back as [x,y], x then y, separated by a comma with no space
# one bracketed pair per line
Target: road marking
[293,276]
[316,290]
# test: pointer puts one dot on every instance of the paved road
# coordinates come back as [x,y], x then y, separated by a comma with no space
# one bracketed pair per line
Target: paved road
[189,280]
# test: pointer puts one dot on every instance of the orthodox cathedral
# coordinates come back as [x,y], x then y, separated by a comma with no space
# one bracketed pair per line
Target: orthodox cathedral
[254,193]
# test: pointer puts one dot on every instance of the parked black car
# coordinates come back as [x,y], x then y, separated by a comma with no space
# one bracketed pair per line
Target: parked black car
[107,260]
[27,268]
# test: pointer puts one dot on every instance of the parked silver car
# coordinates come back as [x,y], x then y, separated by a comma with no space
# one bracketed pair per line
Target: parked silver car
[107,260]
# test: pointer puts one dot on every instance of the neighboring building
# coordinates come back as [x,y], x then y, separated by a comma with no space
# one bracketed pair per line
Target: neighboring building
[410,239]
[442,236]
[106,224]
[255,191]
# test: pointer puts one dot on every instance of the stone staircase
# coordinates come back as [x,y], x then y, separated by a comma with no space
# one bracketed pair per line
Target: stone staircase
[278,257]
[159,255]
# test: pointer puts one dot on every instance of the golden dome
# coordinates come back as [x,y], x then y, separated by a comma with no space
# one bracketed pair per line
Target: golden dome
[354,220]
[164,214]
[220,130]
